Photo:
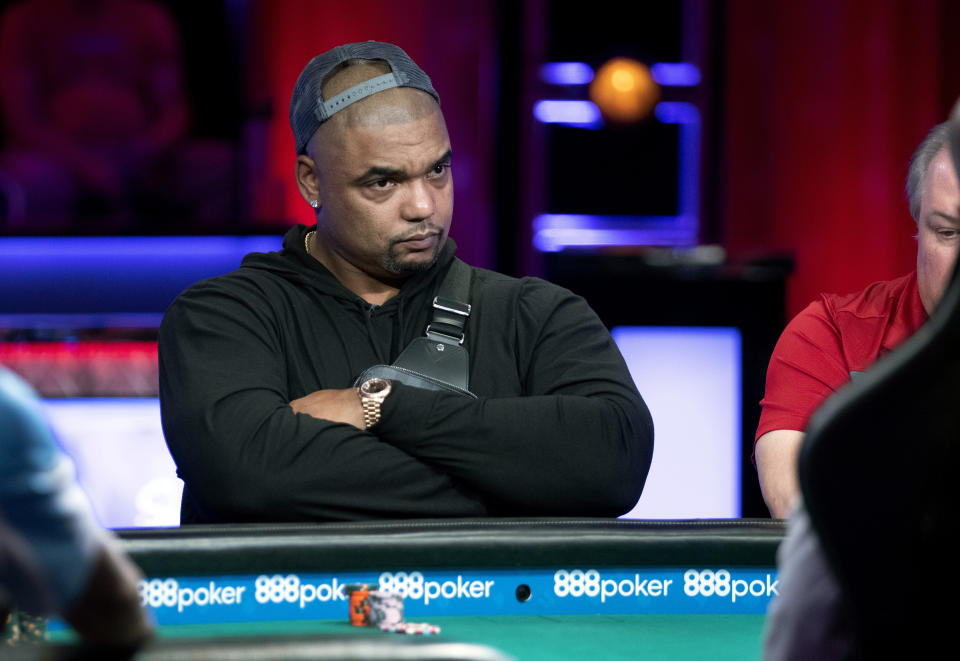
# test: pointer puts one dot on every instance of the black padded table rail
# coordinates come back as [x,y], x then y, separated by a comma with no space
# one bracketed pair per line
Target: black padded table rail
[268,648]
[437,543]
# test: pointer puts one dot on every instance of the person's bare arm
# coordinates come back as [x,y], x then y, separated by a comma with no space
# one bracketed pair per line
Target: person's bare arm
[341,405]
[776,453]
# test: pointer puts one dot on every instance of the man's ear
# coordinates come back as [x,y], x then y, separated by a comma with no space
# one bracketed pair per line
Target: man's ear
[307,180]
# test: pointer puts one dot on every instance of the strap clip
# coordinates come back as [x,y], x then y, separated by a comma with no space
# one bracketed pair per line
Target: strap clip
[449,320]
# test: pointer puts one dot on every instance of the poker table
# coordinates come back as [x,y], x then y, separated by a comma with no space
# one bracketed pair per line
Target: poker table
[525,589]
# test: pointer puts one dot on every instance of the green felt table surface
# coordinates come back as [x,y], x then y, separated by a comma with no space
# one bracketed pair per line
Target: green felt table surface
[543,637]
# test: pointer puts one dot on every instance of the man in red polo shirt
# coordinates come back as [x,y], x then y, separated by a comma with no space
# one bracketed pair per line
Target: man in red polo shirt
[837,337]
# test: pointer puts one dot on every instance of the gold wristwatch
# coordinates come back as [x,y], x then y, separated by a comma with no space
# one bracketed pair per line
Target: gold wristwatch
[372,392]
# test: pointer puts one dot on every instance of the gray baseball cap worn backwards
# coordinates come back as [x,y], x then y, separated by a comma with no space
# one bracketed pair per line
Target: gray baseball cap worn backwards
[308,108]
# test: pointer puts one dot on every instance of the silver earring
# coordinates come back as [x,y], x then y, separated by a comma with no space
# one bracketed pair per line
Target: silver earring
[314,203]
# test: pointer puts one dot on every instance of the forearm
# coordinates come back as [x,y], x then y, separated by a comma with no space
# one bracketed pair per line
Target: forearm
[559,428]
[337,405]
[245,460]
[553,454]
[776,453]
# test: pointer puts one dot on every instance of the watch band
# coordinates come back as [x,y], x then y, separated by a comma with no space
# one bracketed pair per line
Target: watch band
[371,412]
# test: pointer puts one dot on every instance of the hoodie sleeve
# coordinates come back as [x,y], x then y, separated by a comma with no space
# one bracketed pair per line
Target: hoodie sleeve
[575,439]
[244,455]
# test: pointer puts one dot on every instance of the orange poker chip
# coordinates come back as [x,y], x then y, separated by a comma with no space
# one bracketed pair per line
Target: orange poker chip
[359,608]
[359,603]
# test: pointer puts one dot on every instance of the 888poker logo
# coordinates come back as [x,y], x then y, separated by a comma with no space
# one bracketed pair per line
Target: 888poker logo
[414,586]
[184,600]
[668,591]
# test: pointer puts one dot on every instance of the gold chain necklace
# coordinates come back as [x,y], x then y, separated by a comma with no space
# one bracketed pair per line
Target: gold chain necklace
[306,241]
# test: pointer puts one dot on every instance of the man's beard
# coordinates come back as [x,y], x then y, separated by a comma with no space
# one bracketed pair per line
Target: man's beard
[392,263]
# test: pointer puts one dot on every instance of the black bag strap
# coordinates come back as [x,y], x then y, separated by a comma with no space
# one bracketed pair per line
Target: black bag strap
[451,306]
[441,356]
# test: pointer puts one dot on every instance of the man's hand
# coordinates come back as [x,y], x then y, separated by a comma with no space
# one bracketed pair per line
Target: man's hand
[333,405]
[777,468]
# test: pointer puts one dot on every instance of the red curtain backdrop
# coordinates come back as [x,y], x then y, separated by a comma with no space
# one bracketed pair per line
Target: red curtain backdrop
[452,41]
[825,101]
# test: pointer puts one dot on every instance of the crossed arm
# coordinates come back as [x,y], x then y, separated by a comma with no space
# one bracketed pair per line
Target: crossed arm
[333,405]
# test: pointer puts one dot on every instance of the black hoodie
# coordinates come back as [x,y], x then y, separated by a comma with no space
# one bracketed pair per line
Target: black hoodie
[559,427]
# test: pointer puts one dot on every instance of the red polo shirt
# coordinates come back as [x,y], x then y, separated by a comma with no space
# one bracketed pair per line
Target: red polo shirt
[832,337]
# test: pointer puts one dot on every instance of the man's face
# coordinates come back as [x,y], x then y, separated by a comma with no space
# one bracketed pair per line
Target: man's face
[938,237]
[386,196]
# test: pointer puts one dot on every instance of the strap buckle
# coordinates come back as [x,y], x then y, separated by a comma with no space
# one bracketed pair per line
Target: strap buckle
[449,320]
[450,305]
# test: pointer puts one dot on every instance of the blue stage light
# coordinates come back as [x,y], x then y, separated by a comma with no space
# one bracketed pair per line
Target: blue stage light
[566,73]
[582,114]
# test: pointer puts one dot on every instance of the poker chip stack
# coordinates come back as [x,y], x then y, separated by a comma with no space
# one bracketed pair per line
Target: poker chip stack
[384,610]
[359,595]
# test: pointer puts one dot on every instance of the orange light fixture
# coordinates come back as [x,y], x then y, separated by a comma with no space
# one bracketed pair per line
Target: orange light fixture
[624,90]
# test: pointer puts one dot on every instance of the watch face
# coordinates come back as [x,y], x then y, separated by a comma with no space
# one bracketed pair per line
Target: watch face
[374,386]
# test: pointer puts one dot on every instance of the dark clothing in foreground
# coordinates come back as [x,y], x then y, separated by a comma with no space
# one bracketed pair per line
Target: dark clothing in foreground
[559,427]
[811,618]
